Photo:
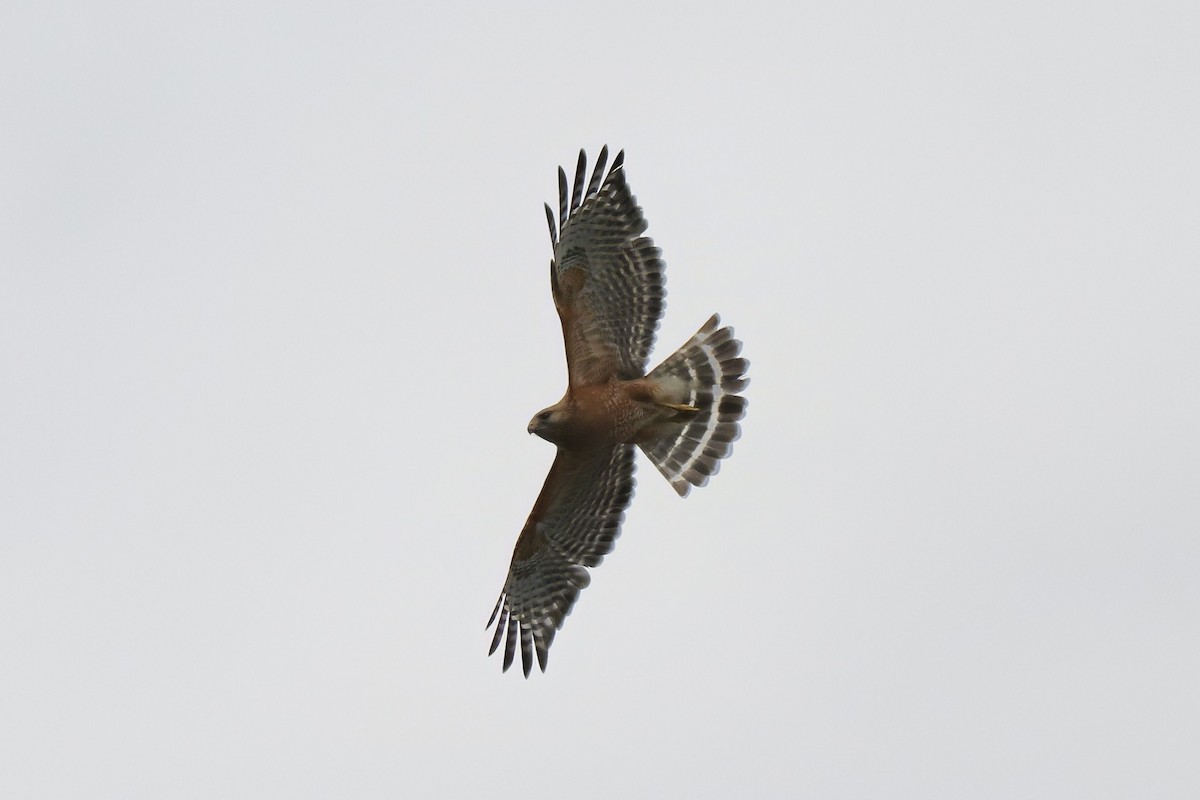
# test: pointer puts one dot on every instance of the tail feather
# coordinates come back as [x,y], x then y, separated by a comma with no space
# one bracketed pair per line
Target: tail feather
[706,373]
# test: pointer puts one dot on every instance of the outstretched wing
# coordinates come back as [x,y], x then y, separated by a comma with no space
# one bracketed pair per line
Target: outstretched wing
[607,279]
[573,525]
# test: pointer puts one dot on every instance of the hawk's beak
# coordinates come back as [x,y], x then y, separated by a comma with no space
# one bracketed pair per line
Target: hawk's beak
[529,428]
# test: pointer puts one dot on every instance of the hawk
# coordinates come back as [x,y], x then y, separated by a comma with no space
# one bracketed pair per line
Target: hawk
[607,282]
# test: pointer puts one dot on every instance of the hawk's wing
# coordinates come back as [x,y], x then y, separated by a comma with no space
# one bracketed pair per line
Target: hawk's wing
[572,526]
[606,277]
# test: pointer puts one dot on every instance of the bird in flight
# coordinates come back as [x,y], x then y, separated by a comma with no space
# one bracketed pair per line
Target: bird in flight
[607,282]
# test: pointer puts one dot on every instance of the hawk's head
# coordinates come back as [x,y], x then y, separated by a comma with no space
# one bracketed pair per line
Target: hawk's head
[547,423]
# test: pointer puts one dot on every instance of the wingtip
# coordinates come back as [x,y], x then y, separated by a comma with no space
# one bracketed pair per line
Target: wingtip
[495,611]
[598,171]
[563,198]
[580,177]
[550,222]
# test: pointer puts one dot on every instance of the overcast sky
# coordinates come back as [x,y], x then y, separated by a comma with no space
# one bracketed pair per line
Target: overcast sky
[274,313]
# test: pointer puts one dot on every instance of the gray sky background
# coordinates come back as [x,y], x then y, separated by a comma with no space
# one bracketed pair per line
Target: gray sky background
[274,312]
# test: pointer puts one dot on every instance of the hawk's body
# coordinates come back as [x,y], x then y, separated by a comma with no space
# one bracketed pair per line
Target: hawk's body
[607,282]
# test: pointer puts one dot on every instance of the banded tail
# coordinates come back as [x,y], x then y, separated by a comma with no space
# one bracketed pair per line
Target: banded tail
[706,374]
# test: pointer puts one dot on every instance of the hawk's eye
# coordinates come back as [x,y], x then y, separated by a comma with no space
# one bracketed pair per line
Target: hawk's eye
[544,416]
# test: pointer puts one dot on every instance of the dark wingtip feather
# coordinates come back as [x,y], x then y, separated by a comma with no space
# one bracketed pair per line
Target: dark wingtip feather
[499,632]
[598,172]
[562,198]
[619,161]
[495,611]
[526,649]
[580,174]
[510,643]
[550,222]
